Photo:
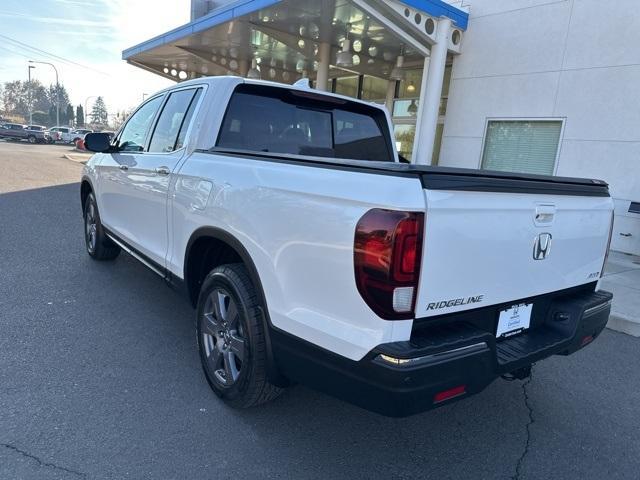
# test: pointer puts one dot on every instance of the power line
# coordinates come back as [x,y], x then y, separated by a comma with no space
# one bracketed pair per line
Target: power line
[12,51]
[52,55]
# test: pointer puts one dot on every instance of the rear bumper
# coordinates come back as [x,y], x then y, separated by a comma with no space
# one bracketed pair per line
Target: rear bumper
[404,378]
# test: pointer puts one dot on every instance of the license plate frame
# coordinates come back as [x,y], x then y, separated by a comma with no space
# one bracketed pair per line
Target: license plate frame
[514,320]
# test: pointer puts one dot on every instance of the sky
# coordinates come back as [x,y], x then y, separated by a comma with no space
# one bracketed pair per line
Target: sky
[92,33]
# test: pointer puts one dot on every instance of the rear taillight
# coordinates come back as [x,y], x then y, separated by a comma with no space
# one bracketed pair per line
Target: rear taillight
[387,254]
[606,254]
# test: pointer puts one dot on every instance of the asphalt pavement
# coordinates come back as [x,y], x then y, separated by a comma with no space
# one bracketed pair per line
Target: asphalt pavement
[100,378]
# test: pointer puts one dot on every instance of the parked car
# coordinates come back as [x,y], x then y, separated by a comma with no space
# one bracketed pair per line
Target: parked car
[79,134]
[15,131]
[312,255]
[61,134]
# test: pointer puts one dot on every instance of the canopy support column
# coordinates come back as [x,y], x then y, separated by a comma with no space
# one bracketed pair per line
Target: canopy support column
[322,77]
[429,108]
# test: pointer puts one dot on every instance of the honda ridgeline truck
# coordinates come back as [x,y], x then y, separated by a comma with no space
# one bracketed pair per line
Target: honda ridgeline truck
[312,254]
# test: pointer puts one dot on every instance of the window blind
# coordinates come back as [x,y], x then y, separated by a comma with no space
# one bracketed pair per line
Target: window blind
[522,146]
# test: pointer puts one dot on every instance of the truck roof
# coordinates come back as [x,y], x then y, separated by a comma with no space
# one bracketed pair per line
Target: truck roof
[232,81]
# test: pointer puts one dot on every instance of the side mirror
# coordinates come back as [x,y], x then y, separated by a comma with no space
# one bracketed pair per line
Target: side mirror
[97,142]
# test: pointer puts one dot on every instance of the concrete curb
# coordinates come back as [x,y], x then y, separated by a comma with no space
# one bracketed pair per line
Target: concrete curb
[76,158]
[623,324]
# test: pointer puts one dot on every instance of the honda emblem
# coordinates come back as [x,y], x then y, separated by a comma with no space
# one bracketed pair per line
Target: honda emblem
[542,246]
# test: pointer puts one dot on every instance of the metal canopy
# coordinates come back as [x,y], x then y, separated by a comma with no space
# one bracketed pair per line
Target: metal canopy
[283,37]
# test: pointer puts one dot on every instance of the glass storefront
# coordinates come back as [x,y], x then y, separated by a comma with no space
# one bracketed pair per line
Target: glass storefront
[374,89]
[405,105]
[347,86]
[404,134]
[411,86]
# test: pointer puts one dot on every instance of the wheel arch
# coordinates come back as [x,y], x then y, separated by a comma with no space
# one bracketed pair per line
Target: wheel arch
[86,187]
[200,247]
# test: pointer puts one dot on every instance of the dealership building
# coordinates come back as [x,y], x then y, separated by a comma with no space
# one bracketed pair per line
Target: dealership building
[535,86]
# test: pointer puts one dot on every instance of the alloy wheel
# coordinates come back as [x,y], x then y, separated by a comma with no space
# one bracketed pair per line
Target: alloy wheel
[223,337]
[91,229]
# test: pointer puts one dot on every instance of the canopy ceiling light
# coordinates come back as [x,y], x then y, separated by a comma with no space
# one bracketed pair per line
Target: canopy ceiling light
[398,73]
[253,72]
[345,58]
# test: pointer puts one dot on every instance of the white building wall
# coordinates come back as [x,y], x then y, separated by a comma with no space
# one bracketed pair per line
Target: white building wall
[572,59]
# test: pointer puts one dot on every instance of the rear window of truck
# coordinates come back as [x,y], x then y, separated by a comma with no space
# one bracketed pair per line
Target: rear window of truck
[278,120]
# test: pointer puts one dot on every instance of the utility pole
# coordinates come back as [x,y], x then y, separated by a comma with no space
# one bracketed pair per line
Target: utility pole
[30,96]
[57,88]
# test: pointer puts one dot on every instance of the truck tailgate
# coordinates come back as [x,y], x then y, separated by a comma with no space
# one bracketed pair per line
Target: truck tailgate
[496,240]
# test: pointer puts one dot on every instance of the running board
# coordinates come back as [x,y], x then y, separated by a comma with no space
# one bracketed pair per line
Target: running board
[136,255]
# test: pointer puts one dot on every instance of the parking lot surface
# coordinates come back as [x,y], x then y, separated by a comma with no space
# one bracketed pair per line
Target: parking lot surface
[100,378]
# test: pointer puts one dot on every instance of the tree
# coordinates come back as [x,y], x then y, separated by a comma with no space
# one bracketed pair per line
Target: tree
[13,97]
[40,118]
[80,116]
[20,98]
[70,115]
[99,114]
[54,95]
[52,115]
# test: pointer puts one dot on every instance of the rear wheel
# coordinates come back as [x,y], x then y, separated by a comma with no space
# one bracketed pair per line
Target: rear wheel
[32,139]
[231,338]
[99,246]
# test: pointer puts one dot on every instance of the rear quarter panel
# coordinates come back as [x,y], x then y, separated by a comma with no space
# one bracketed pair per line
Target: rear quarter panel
[298,224]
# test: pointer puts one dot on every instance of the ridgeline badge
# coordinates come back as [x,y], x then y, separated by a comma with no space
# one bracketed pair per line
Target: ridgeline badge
[456,302]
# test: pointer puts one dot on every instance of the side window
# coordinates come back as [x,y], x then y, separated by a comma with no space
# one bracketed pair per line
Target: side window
[171,120]
[134,132]
[187,119]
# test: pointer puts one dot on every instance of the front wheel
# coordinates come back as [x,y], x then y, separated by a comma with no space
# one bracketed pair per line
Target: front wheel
[231,338]
[99,246]
[32,139]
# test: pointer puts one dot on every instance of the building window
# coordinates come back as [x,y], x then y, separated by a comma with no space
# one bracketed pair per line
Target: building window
[406,108]
[347,86]
[523,146]
[374,89]
[404,139]
[410,86]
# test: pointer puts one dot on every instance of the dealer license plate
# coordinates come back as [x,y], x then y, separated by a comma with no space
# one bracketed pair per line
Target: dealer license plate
[514,320]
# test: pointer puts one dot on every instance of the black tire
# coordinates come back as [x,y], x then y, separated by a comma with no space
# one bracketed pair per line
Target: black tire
[220,333]
[32,139]
[99,246]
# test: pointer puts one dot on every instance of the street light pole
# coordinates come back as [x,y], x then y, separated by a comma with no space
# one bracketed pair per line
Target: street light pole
[57,88]
[30,97]
[86,114]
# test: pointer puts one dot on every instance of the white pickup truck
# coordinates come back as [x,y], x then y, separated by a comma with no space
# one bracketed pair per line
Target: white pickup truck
[312,254]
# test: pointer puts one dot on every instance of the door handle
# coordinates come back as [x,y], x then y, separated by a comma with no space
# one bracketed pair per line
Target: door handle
[124,167]
[163,171]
